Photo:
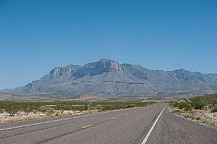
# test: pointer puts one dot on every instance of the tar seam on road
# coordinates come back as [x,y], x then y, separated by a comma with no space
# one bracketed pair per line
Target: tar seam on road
[149,132]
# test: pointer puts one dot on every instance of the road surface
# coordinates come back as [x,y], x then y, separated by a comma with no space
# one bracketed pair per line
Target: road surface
[146,125]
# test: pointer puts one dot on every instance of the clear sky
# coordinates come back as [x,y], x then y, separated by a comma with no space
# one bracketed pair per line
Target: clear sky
[37,35]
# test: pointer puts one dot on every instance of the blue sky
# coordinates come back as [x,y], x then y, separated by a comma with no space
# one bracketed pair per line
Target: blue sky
[37,35]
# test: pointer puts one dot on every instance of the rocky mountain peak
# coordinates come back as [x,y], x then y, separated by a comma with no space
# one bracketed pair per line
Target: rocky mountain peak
[56,71]
[104,60]
[104,65]
[109,78]
[67,71]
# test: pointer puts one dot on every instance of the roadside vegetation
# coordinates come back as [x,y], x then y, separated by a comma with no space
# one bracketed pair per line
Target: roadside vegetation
[15,111]
[202,108]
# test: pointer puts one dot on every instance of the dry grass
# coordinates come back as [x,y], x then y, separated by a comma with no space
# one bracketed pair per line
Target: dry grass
[202,116]
[23,116]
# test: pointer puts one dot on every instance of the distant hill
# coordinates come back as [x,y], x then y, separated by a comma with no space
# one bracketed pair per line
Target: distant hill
[110,79]
[4,96]
[207,99]
[16,97]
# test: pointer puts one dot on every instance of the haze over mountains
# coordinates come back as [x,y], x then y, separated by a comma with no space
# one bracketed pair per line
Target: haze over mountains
[110,79]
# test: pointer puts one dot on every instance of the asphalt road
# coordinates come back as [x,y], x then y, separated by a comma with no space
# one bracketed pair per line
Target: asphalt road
[129,126]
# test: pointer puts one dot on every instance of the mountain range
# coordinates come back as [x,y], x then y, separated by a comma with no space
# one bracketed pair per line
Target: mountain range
[108,78]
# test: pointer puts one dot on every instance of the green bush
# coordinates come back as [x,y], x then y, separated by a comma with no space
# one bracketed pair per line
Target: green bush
[177,111]
[199,105]
[189,116]
[198,118]
[14,107]
[214,108]
[184,105]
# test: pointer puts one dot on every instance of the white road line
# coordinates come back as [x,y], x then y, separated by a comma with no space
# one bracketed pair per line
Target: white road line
[146,138]
[34,124]
[51,121]
[63,119]
[113,118]
[87,126]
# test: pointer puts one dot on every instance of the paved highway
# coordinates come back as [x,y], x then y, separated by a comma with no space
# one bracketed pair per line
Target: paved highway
[146,125]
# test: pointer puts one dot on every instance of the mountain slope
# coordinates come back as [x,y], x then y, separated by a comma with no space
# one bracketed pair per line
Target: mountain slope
[109,78]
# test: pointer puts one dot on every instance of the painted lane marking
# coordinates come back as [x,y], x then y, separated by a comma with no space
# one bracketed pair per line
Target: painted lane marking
[34,124]
[87,126]
[149,133]
[52,121]
[113,118]
[64,119]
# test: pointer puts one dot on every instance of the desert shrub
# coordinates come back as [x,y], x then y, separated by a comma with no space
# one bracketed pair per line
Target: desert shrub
[189,116]
[185,106]
[177,111]
[13,107]
[198,118]
[50,112]
[214,108]
[171,104]
[175,104]
[199,105]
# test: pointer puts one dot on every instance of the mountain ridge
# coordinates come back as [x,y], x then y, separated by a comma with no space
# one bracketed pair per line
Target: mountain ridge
[109,78]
